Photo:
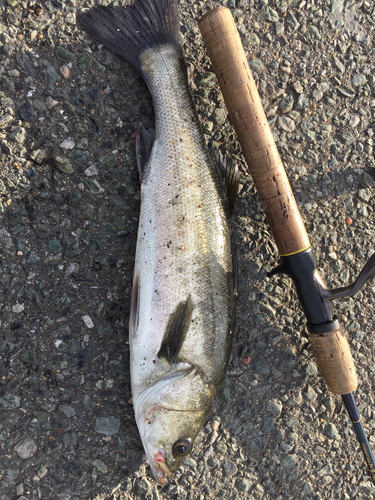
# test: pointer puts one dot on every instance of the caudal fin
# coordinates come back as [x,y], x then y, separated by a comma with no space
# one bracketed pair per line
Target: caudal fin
[128,31]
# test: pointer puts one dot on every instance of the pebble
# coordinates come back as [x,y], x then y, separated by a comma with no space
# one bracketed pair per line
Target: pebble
[92,170]
[88,321]
[364,194]
[298,87]
[63,164]
[220,116]
[332,432]
[73,198]
[5,238]
[302,102]
[339,65]
[269,14]
[286,104]
[68,411]
[326,470]
[67,143]
[358,80]
[268,424]
[9,402]
[93,186]
[261,365]
[307,489]
[311,394]
[18,135]
[100,465]
[71,268]
[63,54]
[38,155]
[315,32]
[244,485]
[311,369]
[256,65]
[213,463]
[65,71]
[346,92]
[190,462]
[50,102]
[54,245]
[69,439]
[289,462]
[41,416]
[354,120]
[26,448]
[18,308]
[86,61]
[346,139]
[367,180]
[286,124]
[107,425]
[295,399]
[12,474]
[230,468]
[317,95]
[252,39]
[275,407]
[286,447]
[48,73]
[95,245]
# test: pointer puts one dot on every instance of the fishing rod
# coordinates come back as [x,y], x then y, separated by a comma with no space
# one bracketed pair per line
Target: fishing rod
[297,259]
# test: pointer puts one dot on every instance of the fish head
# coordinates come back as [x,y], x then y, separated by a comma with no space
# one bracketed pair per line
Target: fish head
[170,415]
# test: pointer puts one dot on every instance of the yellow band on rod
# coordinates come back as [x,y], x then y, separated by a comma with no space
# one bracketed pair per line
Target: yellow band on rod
[295,253]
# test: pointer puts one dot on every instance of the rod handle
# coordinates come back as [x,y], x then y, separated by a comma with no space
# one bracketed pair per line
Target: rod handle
[335,361]
[247,115]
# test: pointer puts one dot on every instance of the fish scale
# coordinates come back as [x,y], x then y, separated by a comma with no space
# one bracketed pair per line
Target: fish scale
[185,265]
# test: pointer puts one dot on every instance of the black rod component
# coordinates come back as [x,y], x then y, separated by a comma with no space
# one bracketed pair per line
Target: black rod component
[356,419]
[313,293]
[302,268]
[345,291]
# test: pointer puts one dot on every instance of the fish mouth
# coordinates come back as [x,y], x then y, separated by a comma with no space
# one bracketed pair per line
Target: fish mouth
[161,470]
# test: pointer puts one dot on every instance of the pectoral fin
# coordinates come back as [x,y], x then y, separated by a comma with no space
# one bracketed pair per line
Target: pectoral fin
[177,328]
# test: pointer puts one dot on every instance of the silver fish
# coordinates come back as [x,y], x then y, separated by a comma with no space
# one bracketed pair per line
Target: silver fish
[183,295]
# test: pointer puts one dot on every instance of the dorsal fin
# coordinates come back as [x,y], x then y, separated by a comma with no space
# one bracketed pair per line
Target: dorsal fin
[177,328]
[230,175]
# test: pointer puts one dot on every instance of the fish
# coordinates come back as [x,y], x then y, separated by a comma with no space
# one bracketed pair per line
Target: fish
[183,300]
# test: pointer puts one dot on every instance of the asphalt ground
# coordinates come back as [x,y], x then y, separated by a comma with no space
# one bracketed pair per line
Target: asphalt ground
[69,205]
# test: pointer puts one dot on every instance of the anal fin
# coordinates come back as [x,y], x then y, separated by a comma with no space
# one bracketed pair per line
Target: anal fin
[144,141]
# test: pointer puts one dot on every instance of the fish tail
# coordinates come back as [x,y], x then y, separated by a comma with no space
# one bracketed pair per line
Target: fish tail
[129,31]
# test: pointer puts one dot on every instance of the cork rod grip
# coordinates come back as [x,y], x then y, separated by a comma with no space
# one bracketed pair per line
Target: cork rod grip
[333,356]
[247,115]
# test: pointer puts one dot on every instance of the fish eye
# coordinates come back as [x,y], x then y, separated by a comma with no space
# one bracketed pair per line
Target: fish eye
[182,447]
